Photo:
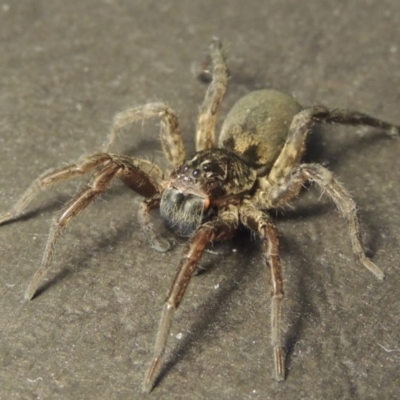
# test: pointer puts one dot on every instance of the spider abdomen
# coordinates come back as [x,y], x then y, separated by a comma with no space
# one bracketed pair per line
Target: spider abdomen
[257,126]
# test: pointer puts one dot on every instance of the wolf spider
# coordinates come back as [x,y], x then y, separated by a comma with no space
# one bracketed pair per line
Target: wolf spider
[255,168]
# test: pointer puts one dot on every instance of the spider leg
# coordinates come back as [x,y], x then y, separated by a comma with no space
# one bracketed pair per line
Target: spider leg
[57,175]
[301,125]
[263,224]
[221,228]
[75,206]
[291,186]
[121,166]
[148,228]
[50,178]
[205,134]
[170,134]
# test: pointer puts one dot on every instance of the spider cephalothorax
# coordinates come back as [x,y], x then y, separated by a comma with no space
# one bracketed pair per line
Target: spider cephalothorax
[256,168]
[196,189]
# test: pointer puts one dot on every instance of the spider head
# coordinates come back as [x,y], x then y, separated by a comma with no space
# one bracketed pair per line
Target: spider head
[212,174]
[183,212]
[195,189]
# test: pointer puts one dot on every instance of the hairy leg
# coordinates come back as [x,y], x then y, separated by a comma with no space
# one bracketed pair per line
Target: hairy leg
[263,224]
[205,134]
[50,178]
[75,206]
[125,168]
[301,125]
[170,134]
[83,166]
[221,228]
[281,194]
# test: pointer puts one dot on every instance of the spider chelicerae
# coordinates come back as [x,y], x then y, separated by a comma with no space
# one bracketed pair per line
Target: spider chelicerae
[256,168]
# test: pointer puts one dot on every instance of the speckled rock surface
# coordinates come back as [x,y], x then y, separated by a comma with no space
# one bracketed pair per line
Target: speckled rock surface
[66,69]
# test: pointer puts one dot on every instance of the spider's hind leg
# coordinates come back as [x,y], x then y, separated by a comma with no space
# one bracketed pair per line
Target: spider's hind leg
[281,194]
[205,134]
[303,122]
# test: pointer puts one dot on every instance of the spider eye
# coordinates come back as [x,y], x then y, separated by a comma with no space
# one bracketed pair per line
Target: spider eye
[196,173]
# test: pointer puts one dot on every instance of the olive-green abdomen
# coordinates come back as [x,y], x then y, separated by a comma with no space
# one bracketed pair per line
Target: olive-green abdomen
[257,126]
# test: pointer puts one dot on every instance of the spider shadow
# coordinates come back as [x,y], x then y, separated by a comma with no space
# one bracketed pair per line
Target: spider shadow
[54,205]
[300,309]
[246,82]
[245,246]
[372,240]
[319,152]
[216,302]
[249,249]
[102,241]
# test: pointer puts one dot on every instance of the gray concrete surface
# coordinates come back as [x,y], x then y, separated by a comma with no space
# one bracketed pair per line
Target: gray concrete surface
[66,68]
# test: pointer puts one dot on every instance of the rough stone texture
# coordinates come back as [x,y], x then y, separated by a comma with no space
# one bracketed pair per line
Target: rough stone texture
[66,68]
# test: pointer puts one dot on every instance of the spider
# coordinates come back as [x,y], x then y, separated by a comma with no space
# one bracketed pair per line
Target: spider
[255,169]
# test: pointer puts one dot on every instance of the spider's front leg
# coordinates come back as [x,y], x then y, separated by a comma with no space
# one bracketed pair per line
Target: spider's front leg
[108,166]
[75,206]
[170,135]
[50,178]
[281,194]
[221,228]
[263,224]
